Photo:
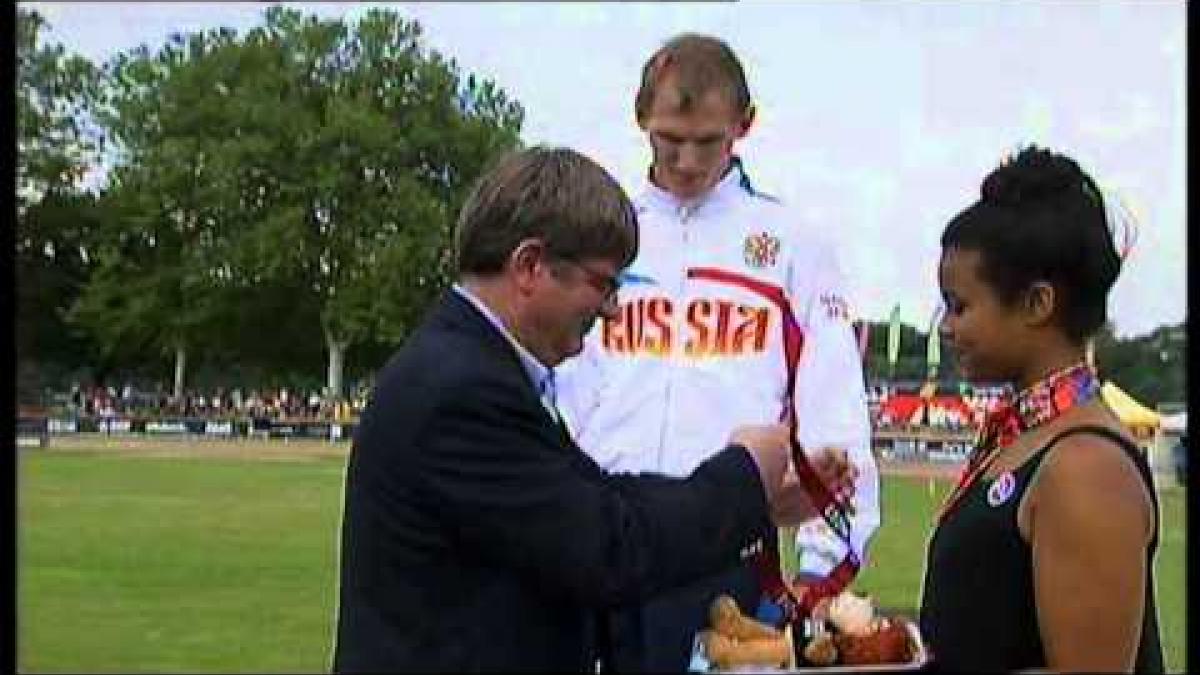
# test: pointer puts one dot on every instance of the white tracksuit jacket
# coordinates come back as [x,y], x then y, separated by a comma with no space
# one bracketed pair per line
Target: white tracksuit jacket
[729,303]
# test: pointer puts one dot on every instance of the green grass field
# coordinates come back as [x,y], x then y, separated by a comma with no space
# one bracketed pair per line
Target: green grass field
[138,564]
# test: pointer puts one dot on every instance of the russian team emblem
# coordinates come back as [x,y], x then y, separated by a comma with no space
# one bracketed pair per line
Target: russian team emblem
[761,250]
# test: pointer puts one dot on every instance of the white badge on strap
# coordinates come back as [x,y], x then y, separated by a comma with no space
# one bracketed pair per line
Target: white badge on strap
[1002,488]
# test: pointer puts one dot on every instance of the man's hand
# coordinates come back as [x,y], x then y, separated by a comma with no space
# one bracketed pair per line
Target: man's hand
[790,504]
[793,505]
[834,469]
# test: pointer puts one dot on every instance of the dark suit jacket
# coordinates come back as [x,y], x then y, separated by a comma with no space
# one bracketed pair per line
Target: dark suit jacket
[476,536]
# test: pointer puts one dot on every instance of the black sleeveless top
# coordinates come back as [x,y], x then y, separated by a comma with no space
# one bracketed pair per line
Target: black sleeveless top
[977,601]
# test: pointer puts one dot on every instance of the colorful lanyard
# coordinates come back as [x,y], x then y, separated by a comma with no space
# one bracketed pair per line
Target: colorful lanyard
[1035,405]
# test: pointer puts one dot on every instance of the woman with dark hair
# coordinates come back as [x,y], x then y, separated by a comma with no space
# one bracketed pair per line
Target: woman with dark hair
[1042,556]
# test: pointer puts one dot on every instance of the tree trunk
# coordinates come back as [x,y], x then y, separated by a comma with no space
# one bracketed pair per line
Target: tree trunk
[180,364]
[337,358]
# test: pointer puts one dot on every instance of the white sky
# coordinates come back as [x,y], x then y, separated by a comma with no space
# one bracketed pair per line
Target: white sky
[879,118]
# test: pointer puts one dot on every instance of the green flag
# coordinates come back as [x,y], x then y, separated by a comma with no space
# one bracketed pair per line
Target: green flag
[933,349]
[893,344]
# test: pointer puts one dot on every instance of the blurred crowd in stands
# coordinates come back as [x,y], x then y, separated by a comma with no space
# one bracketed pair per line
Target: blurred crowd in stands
[218,403]
[924,406]
[892,405]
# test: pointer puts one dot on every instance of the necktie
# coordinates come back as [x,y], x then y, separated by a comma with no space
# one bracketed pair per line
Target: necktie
[549,396]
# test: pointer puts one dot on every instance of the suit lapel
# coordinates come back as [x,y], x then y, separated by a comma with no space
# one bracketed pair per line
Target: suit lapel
[460,315]
[563,431]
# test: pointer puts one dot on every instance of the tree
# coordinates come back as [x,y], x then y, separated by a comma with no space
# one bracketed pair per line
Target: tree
[1151,368]
[312,165]
[55,146]
[355,186]
[55,142]
[910,363]
[160,281]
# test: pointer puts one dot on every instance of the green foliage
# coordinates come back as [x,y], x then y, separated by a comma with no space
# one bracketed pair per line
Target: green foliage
[300,181]
[304,175]
[159,282]
[910,363]
[54,94]
[1151,368]
[372,144]
[56,143]
[51,265]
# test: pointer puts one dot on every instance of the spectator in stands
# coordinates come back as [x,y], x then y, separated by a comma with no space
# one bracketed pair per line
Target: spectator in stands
[199,405]
[1043,556]
[76,400]
[106,408]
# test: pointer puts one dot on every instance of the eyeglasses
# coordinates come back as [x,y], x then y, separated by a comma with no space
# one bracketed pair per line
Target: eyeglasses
[608,285]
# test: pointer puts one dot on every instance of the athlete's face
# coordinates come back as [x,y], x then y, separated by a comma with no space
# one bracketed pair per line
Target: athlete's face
[692,146]
[988,336]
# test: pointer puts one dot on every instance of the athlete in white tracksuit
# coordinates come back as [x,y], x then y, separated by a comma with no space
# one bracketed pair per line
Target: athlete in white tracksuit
[733,313]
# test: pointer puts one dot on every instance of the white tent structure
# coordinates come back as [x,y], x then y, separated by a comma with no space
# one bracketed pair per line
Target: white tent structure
[1171,429]
[1174,424]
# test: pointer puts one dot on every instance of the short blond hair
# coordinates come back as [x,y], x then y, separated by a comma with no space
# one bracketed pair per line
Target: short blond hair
[701,63]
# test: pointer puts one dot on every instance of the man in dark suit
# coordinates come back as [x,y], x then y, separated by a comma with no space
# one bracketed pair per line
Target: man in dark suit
[476,536]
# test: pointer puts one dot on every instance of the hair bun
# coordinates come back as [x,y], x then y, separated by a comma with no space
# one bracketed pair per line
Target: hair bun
[1033,175]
